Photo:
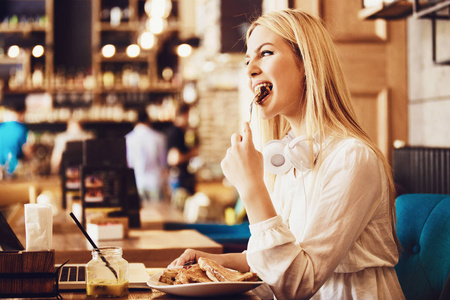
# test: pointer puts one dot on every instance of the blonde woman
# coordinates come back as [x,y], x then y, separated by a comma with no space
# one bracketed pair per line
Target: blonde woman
[323,226]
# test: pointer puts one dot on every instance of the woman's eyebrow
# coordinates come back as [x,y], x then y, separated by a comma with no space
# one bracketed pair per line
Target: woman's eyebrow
[259,48]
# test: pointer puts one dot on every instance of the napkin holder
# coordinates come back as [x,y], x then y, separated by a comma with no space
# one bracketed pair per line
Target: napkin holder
[27,274]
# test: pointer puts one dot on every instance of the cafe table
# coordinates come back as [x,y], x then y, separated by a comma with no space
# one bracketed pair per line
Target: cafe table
[153,248]
[155,294]
[150,244]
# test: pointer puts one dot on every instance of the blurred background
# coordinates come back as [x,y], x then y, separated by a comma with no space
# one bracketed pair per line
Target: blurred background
[99,62]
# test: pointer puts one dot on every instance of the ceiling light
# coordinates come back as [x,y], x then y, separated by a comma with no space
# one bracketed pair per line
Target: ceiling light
[190,93]
[155,25]
[158,8]
[37,51]
[13,51]
[184,50]
[108,50]
[133,50]
[147,40]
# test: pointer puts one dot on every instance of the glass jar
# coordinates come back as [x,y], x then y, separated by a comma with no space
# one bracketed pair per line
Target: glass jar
[107,273]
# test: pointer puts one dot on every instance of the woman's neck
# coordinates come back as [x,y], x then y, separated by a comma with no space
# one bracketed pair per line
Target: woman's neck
[298,126]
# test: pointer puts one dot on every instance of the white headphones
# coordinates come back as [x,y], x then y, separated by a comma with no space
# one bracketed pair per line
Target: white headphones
[281,155]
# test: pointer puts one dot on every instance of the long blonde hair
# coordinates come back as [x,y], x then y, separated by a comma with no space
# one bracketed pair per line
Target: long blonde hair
[327,102]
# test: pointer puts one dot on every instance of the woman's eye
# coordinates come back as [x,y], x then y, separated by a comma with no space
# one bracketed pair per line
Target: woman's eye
[266,53]
[262,54]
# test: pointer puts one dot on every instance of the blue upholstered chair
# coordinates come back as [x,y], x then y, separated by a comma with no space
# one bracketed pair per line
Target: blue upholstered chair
[234,238]
[423,228]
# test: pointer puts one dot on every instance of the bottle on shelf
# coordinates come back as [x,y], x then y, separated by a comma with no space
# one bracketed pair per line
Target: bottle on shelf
[37,78]
[134,78]
[126,74]
[115,16]
[108,79]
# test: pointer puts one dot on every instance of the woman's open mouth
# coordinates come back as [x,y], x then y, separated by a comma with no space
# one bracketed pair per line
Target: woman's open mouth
[262,91]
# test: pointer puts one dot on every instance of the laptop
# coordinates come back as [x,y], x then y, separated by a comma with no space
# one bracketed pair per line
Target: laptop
[71,276]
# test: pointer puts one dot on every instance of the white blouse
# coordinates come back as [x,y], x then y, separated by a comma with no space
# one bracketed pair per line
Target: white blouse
[333,238]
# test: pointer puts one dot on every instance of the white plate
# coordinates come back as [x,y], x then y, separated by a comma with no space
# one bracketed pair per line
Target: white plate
[204,289]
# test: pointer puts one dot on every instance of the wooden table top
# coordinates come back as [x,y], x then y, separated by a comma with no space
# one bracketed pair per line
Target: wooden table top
[149,244]
[155,294]
[153,248]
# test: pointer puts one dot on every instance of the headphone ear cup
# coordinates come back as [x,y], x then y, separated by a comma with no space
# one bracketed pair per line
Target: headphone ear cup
[298,153]
[274,157]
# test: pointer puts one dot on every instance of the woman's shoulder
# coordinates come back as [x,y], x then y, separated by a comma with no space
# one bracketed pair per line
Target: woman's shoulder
[352,143]
[349,148]
[351,156]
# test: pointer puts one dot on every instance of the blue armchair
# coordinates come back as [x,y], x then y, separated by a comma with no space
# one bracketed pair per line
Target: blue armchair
[234,238]
[423,228]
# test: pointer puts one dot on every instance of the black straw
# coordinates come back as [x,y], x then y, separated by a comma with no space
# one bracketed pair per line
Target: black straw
[93,244]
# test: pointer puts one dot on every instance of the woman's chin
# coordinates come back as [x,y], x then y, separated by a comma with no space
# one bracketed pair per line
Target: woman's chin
[265,117]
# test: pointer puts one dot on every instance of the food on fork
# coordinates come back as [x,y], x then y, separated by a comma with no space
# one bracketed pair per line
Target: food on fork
[207,270]
[219,273]
[262,91]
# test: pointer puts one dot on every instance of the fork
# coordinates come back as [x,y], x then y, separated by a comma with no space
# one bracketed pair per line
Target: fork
[251,109]
[251,104]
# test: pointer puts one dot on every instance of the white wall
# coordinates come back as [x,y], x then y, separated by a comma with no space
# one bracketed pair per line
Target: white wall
[428,85]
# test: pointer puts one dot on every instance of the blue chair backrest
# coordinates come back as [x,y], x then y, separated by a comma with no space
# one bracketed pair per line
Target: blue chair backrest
[423,228]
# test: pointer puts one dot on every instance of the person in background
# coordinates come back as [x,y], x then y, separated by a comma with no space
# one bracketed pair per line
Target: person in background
[180,153]
[147,155]
[74,132]
[322,217]
[13,138]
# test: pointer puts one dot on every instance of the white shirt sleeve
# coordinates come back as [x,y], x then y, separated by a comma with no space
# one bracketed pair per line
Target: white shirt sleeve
[344,197]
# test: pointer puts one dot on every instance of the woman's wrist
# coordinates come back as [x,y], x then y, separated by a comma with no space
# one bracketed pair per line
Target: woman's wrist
[235,261]
[258,204]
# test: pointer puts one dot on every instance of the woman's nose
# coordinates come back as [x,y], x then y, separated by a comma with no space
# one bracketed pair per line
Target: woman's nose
[252,69]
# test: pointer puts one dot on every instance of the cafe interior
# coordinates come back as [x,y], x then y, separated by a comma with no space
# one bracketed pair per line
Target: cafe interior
[99,62]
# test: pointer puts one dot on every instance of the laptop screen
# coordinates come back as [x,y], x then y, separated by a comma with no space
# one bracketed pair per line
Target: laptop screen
[9,240]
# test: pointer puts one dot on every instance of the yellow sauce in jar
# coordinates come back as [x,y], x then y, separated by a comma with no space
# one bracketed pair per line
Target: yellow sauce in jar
[109,288]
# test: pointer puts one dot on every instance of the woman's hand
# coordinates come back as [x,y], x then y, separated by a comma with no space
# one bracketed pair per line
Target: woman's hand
[243,165]
[188,256]
[235,261]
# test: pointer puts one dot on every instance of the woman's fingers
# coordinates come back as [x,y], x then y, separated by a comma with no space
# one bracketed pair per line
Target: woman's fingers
[235,139]
[188,255]
[247,133]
